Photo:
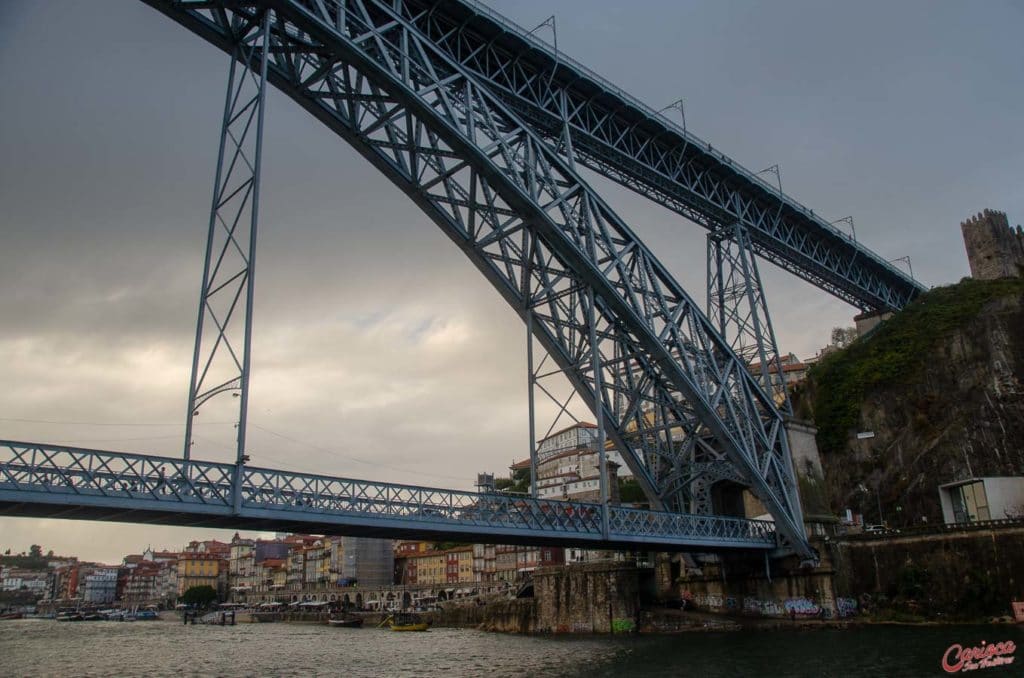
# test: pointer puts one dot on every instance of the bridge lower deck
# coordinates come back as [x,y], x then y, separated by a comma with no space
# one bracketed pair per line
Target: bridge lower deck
[39,480]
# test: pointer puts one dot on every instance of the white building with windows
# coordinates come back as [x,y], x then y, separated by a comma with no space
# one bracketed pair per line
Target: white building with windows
[100,586]
[568,465]
[978,499]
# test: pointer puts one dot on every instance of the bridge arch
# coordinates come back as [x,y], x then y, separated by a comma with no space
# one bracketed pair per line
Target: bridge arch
[590,291]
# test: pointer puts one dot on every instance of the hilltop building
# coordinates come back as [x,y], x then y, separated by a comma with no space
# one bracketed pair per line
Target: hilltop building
[994,249]
[568,465]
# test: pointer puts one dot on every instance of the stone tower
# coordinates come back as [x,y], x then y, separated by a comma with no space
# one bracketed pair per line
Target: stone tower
[994,250]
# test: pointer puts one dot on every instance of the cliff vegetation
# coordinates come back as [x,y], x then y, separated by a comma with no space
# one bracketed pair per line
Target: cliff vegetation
[936,392]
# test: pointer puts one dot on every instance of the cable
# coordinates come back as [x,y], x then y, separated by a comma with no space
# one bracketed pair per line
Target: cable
[100,423]
[375,464]
[109,440]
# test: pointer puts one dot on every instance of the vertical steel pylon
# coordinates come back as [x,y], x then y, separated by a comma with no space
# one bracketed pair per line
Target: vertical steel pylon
[737,306]
[221,361]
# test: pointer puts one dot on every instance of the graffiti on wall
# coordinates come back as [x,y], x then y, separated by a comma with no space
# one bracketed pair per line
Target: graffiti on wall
[763,608]
[802,606]
[708,600]
[846,607]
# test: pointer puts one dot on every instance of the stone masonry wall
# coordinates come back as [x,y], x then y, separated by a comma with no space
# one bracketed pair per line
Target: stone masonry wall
[966,573]
[600,597]
[746,589]
[994,250]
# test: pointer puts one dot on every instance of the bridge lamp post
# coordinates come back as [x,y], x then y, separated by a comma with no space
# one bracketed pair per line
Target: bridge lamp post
[678,105]
[848,221]
[774,169]
[905,260]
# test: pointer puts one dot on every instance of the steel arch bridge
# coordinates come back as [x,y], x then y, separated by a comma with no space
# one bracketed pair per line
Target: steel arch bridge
[482,127]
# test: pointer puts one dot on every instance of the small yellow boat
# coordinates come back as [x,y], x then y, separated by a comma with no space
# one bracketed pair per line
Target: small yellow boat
[406,621]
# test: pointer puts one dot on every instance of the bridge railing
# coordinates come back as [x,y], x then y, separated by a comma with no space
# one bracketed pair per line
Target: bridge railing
[68,475]
[56,469]
[639,522]
[264,488]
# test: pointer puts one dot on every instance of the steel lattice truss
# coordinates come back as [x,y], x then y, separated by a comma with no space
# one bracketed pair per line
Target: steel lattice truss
[67,482]
[220,362]
[737,306]
[667,381]
[638,147]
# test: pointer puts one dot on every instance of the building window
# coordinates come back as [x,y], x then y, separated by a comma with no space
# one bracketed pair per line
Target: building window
[970,503]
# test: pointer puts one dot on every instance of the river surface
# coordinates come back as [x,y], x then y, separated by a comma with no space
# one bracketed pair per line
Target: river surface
[48,648]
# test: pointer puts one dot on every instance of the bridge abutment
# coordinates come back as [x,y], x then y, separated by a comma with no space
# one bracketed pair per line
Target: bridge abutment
[739,585]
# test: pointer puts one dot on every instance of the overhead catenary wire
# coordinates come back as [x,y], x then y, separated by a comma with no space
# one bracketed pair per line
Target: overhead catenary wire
[319,448]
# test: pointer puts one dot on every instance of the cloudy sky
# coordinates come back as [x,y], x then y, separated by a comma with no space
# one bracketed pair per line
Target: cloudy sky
[379,351]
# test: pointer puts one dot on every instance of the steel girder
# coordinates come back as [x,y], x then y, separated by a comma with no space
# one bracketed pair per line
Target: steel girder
[543,238]
[627,141]
[68,482]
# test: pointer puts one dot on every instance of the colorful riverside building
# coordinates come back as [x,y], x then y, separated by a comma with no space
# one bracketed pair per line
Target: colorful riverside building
[302,567]
[100,587]
[271,579]
[202,569]
[245,576]
[420,564]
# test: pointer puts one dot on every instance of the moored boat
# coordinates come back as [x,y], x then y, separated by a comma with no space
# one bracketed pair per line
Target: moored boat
[69,617]
[350,623]
[407,621]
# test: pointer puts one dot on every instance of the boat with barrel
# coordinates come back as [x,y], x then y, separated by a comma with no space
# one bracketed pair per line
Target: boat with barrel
[407,621]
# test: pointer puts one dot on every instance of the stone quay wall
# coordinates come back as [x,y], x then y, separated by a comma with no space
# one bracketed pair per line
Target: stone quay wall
[961,574]
[744,587]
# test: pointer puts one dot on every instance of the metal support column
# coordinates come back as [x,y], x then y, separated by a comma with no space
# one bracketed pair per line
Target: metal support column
[221,360]
[737,304]
[531,383]
[596,366]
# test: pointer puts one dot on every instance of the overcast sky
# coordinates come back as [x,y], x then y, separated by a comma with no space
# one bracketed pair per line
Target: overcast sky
[379,350]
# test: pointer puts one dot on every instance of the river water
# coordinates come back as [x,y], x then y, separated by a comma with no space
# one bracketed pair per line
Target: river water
[48,648]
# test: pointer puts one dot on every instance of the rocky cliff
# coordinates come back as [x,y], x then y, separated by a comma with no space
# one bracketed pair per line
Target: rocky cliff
[940,386]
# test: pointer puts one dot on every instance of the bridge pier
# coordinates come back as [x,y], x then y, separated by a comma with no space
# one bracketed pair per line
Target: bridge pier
[742,585]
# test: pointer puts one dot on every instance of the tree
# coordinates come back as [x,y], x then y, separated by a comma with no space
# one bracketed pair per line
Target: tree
[35,551]
[630,492]
[519,483]
[843,336]
[199,596]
